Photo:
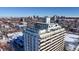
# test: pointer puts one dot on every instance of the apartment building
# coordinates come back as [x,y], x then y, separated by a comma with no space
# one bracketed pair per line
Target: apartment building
[44,37]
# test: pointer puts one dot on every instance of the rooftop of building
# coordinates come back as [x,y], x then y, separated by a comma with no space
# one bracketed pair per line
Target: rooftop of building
[44,26]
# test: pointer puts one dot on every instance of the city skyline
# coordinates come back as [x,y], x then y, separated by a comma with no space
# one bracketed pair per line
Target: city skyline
[38,11]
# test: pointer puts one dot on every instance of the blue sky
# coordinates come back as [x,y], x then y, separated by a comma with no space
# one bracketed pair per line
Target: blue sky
[40,11]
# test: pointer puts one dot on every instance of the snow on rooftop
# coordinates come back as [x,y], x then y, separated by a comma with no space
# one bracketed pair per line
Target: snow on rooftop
[15,35]
[71,38]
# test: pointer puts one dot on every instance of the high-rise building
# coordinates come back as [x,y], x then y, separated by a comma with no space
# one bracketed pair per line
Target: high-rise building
[44,37]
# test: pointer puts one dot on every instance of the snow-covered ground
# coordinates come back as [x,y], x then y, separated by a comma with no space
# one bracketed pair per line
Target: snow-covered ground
[71,41]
